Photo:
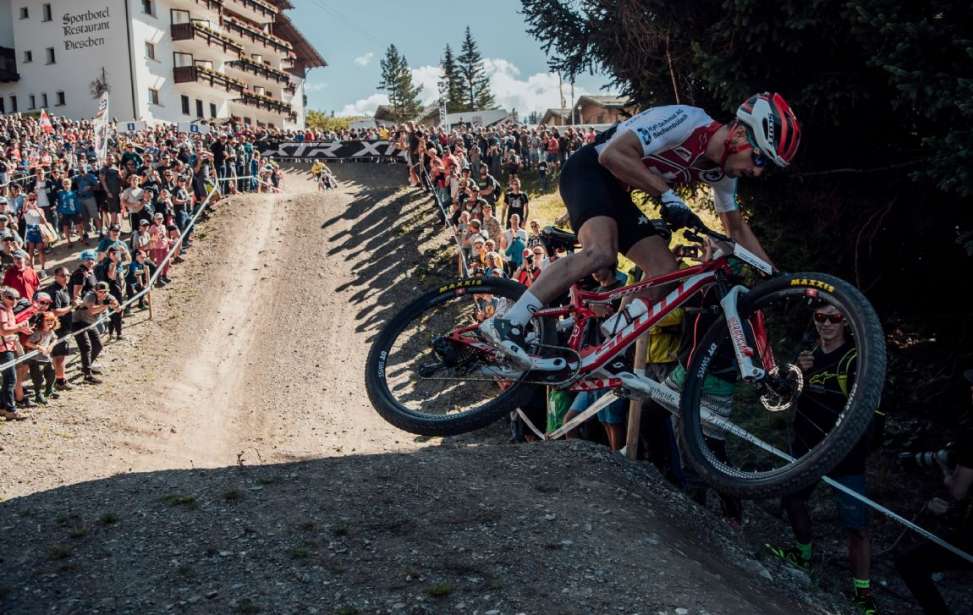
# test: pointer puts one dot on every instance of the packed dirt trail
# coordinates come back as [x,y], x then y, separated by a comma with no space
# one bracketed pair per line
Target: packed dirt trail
[231,462]
[255,354]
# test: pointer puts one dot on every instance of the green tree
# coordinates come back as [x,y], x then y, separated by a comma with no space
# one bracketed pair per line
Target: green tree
[475,83]
[321,121]
[884,176]
[450,81]
[397,82]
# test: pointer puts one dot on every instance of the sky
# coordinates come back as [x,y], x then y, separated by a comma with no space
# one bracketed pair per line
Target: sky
[353,35]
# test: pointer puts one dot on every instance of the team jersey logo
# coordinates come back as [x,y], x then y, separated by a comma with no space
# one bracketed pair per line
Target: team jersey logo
[645,135]
[711,175]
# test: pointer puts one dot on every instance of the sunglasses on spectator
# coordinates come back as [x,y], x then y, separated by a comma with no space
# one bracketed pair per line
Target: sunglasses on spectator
[831,318]
[43,303]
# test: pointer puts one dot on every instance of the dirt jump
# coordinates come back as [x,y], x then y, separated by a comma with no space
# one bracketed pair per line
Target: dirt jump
[231,462]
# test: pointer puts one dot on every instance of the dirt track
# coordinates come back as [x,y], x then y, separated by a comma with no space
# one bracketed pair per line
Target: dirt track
[255,358]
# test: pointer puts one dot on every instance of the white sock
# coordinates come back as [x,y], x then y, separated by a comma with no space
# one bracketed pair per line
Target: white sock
[520,313]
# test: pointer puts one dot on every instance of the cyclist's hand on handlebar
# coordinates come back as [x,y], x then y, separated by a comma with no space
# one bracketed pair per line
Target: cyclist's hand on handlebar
[676,212]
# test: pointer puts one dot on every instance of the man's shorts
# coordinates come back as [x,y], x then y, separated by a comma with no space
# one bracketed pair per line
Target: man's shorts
[90,206]
[113,205]
[852,512]
[590,190]
[552,156]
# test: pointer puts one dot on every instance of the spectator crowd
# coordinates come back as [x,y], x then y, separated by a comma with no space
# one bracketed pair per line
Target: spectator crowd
[110,224]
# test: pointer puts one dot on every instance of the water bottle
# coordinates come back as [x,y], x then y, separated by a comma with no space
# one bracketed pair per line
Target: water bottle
[624,317]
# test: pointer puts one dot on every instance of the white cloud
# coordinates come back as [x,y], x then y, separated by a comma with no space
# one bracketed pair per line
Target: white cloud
[365,106]
[365,60]
[537,92]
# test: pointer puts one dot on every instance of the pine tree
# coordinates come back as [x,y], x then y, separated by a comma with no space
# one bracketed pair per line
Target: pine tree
[476,85]
[397,82]
[451,82]
[410,106]
[391,66]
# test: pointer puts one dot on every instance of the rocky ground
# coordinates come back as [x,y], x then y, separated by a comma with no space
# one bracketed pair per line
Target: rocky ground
[231,462]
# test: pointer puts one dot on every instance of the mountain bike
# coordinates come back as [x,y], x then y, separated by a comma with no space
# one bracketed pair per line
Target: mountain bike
[429,372]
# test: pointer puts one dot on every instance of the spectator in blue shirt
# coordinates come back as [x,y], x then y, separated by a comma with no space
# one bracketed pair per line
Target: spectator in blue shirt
[67,210]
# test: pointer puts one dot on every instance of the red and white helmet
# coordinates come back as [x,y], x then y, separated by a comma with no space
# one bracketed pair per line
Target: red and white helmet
[772,126]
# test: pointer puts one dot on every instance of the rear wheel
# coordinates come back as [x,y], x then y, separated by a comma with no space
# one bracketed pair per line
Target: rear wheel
[773,443]
[422,380]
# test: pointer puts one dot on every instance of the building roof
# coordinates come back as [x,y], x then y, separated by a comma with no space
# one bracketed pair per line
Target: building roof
[563,112]
[384,113]
[306,53]
[608,102]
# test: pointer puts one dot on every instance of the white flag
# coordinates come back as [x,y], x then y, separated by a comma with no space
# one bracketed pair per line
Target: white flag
[101,128]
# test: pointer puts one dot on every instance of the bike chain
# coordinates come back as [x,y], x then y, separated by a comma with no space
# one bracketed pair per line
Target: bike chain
[557,383]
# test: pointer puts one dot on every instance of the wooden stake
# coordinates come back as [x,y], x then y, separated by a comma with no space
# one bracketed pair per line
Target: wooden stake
[635,406]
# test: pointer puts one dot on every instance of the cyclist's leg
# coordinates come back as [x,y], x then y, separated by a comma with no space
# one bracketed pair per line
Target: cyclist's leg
[654,257]
[599,254]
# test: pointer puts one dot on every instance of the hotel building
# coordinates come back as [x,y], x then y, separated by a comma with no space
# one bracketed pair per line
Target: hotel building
[169,60]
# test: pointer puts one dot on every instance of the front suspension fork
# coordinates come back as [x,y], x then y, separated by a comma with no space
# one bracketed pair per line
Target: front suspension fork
[744,347]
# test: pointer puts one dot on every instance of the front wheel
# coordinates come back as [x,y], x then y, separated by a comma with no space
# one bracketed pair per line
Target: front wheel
[428,372]
[781,433]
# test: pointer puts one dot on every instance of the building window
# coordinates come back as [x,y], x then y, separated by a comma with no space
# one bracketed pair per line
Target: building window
[153,96]
[60,99]
[28,56]
[199,108]
[50,55]
[33,102]
[185,105]
[44,100]
[212,110]
[24,13]
[47,13]
[148,7]
[149,50]
[13,104]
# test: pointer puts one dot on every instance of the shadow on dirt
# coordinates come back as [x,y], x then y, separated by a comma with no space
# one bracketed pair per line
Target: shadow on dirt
[533,528]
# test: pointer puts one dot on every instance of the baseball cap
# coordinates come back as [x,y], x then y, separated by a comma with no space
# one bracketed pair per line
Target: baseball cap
[19,254]
[115,227]
[4,217]
[41,296]
[143,222]
[88,255]
[102,286]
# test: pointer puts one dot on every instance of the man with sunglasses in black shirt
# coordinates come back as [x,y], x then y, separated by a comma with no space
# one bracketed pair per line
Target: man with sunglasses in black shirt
[829,376]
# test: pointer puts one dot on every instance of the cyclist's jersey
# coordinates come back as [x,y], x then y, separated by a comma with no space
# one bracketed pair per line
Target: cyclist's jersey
[674,140]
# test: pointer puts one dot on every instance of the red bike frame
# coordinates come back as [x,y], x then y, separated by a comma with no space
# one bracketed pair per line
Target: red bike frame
[593,358]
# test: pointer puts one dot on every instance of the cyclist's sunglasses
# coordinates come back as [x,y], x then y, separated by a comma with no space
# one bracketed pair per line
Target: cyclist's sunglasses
[832,318]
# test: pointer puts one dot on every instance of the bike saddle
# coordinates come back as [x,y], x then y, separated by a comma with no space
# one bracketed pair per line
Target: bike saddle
[555,238]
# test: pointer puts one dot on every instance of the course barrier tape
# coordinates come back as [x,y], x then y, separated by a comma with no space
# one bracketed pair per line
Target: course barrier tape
[106,315]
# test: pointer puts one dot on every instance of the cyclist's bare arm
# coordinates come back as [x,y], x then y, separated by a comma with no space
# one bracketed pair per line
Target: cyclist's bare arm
[739,230]
[623,157]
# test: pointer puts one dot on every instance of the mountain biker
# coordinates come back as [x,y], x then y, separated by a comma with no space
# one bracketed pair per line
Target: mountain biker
[659,147]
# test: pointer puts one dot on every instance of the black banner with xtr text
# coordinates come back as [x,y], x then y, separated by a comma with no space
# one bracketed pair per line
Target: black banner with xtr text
[331,150]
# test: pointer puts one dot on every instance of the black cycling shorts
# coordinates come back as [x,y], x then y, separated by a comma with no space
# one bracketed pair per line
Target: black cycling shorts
[590,190]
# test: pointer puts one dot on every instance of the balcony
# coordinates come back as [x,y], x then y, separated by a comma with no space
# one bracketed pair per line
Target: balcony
[256,37]
[206,5]
[200,31]
[207,76]
[264,102]
[265,74]
[255,10]
[8,65]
